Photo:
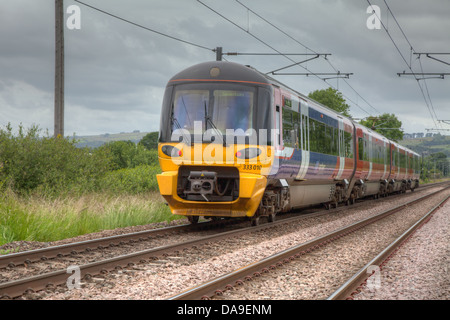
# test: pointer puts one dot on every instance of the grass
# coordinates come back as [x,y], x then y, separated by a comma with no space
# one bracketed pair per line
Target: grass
[34,218]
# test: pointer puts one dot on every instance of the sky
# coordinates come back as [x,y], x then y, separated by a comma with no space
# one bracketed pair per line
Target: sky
[116,72]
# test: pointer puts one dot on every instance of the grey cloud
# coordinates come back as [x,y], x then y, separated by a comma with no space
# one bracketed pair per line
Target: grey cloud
[116,72]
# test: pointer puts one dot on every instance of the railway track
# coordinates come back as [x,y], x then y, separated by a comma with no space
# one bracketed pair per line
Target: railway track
[227,282]
[27,257]
[16,288]
[354,285]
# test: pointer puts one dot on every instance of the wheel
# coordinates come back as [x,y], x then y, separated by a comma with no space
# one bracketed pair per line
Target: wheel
[193,219]
[271,217]
[255,221]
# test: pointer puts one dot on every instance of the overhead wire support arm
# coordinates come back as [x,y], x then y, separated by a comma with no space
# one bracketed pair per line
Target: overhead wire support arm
[445,121]
[437,129]
[219,52]
[275,54]
[340,75]
[440,75]
[428,55]
[297,63]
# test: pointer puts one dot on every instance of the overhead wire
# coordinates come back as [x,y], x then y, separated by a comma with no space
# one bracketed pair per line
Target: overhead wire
[412,50]
[401,54]
[431,109]
[276,50]
[144,27]
[307,48]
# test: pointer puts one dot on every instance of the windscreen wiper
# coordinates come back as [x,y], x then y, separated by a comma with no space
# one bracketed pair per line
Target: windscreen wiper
[208,120]
[173,121]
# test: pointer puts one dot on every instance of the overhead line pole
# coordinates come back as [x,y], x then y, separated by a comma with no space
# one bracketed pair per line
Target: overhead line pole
[59,69]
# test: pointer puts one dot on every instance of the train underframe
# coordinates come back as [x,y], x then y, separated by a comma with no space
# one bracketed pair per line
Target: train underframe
[220,192]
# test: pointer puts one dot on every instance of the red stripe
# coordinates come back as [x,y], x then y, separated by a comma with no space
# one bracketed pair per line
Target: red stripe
[216,80]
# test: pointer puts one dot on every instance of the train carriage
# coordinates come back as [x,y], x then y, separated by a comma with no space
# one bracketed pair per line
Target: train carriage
[373,158]
[237,143]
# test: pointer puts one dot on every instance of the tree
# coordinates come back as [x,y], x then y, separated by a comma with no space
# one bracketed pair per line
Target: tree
[332,99]
[387,124]
[150,141]
[435,166]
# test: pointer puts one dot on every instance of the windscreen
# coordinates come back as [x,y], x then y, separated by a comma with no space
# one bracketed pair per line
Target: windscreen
[216,106]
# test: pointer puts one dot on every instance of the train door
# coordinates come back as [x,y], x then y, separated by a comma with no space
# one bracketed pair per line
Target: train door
[369,144]
[277,118]
[395,159]
[304,140]
[386,161]
[341,147]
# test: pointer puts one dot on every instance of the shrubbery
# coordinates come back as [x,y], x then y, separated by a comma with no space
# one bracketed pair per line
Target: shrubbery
[50,189]
[126,154]
[55,166]
[132,180]
[29,162]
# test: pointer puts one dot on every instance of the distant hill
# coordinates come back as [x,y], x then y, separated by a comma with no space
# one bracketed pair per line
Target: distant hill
[429,145]
[99,140]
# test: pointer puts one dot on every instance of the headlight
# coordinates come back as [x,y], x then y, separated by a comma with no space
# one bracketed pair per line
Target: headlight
[248,153]
[171,151]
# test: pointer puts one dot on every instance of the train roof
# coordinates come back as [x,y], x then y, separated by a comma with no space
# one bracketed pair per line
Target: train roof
[216,71]
[220,71]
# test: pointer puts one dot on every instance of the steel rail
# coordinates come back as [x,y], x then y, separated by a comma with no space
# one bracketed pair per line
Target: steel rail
[227,281]
[16,288]
[351,286]
[14,259]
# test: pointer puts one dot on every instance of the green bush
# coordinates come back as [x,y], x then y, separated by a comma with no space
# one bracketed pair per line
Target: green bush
[126,154]
[132,180]
[51,190]
[29,162]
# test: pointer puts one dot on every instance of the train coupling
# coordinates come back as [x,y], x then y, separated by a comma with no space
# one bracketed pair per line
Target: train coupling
[202,183]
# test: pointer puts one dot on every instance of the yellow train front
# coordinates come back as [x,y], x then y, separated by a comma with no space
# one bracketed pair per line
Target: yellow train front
[215,141]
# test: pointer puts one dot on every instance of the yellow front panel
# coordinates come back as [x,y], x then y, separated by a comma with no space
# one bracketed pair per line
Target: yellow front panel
[252,180]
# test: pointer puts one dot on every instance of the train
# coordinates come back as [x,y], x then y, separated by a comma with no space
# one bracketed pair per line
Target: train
[236,143]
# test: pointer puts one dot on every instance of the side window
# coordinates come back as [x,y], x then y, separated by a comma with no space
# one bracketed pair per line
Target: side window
[315,135]
[323,138]
[296,130]
[361,148]
[348,140]
[288,128]
[387,154]
[277,125]
[304,141]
